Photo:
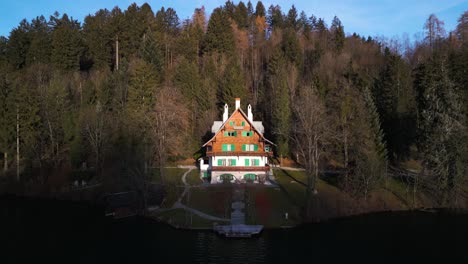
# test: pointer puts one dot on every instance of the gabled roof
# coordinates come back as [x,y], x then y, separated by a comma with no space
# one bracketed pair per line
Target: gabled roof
[246,118]
[216,126]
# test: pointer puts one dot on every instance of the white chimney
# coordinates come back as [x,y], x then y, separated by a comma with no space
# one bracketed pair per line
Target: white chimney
[225,114]
[249,113]
[237,103]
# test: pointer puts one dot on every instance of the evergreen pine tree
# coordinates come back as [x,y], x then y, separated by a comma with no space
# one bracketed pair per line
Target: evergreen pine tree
[66,43]
[39,50]
[441,129]
[337,35]
[219,36]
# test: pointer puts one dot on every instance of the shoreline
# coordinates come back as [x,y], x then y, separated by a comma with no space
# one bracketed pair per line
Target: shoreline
[92,205]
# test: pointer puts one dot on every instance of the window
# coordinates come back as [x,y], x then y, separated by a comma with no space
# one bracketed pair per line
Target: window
[247,162]
[267,148]
[243,123]
[230,133]
[255,162]
[232,123]
[228,147]
[232,162]
[222,162]
[250,177]
[249,147]
[247,133]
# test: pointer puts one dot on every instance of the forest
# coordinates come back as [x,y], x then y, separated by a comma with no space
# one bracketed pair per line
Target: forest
[129,90]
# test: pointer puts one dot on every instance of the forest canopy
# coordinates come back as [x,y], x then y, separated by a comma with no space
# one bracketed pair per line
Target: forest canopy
[131,89]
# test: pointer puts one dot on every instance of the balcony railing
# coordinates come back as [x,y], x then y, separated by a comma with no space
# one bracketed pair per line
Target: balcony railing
[238,153]
[240,168]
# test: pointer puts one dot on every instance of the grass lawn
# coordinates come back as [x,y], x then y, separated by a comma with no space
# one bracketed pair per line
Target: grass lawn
[402,194]
[267,206]
[173,184]
[171,175]
[180,218]
[292,184]
[214,200]
[193,178]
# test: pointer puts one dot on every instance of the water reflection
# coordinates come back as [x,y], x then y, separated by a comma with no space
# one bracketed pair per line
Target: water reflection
[49,230]
[211,248]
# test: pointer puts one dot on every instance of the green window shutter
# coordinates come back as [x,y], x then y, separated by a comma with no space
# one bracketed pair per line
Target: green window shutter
[233,147]
[255,147]
[231,123]
[256,162]
[226,133]
[243,133]
[247,162]
[243,123]
[233,162]
[243,147]
[235,133]
[224,147]
[220,162]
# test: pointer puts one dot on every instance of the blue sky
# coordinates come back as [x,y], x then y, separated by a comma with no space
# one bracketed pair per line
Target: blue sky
[387,18]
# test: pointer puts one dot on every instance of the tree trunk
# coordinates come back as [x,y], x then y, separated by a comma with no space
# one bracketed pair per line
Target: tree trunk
[5,161]
[17,145]
[345,150]
[52,141]
[117,53]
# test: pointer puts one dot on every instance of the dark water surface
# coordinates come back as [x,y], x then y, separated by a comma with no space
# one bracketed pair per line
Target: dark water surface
[48,231]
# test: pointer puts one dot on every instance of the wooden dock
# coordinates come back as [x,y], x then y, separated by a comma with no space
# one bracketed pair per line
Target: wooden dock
[238,230]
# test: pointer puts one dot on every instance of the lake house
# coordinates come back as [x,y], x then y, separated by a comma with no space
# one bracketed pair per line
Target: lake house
[238,151]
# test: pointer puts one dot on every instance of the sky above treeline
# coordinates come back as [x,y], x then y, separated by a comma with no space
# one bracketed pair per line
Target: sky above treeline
[389,18]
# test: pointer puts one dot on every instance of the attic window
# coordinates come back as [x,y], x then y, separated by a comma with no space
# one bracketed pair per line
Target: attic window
[232,123]
[247,133]
[243,123]
[230,133]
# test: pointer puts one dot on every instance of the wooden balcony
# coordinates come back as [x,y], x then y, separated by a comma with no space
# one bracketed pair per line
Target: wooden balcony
[239,153]
[240,168]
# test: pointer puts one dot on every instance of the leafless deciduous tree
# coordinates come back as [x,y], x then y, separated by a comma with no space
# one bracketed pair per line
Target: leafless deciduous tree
[95,131]
[434,30]
[462,27]
[169,125]
[310,134]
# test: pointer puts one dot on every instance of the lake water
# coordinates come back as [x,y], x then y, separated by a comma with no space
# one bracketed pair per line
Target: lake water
[34,231]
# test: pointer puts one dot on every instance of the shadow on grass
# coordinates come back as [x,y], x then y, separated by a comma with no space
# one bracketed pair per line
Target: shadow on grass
[292,177]
[288,195]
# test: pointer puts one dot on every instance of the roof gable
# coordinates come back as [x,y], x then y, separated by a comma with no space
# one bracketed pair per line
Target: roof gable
[238,110]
